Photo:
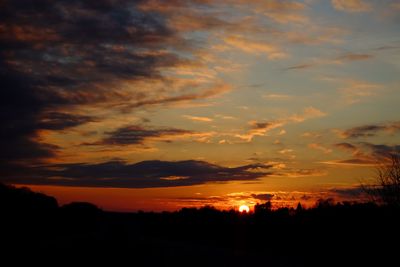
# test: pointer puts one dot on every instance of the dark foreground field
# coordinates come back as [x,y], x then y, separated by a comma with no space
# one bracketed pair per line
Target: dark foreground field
[36,230]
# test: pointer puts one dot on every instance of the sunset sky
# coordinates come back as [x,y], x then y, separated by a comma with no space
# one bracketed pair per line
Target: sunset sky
[159,105]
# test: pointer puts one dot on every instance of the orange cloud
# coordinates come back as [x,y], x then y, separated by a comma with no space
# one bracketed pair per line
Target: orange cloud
[276,96]
[261,128]
[255,47]
[308,113]
[197,118]
[280,11]
[320,147]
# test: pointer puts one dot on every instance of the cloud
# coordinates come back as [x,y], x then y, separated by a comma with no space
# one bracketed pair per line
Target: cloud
[261,128]
[61,121]
[286,151]
[183,16]
[255,47]
[314,135]
[138,135]
[354,57]
[350,162]
[360,157]
[349,57]
[197,118]
[320,147]
[366,154]
[346,146]
[301,66]
[356,91]
[351,5]
[55,61]
[381,152]
[225,117]
[298,172]
[386,47]
[263,197]
[62,58]
[349,192]
[277,96]
[308,113]
[282,11]
[211,92]
[145,174]
[370,130]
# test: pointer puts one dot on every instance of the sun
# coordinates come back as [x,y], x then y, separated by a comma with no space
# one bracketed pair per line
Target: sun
[244,209]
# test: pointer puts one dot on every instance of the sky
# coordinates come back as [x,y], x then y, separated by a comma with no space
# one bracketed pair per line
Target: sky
[158,105]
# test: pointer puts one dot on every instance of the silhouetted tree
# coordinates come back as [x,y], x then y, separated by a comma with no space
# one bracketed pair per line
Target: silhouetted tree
[386,189]
[299,207]
[325,203]
[263,208]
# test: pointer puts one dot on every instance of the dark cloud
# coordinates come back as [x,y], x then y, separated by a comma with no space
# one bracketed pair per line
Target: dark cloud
[61,121]
[145,174]
[354,57]
[346,146]
[381,152]
[56,55]
[371,130]
[264,197]
[367,153]
[386,47]
[263,125]
[208,93]
[344,57]
[348,192]
[300,66]
[136,134]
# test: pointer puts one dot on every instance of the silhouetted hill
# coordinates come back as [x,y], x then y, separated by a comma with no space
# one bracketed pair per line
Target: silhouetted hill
[14,199]
[331,234]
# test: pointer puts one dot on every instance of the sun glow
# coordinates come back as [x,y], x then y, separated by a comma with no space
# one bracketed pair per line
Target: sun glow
[244,209]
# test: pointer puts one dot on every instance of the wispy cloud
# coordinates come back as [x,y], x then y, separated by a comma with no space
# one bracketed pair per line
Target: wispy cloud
[351,5]
[282,11]
[355,91]
[341,59]
[225,117]
[370,130]
[197,118]
[354,57]
[365,154]
[320,147]
[272,51]
[308,113]
[296,172]
[211,92]
[277,96]
[301,66]
[261,128]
